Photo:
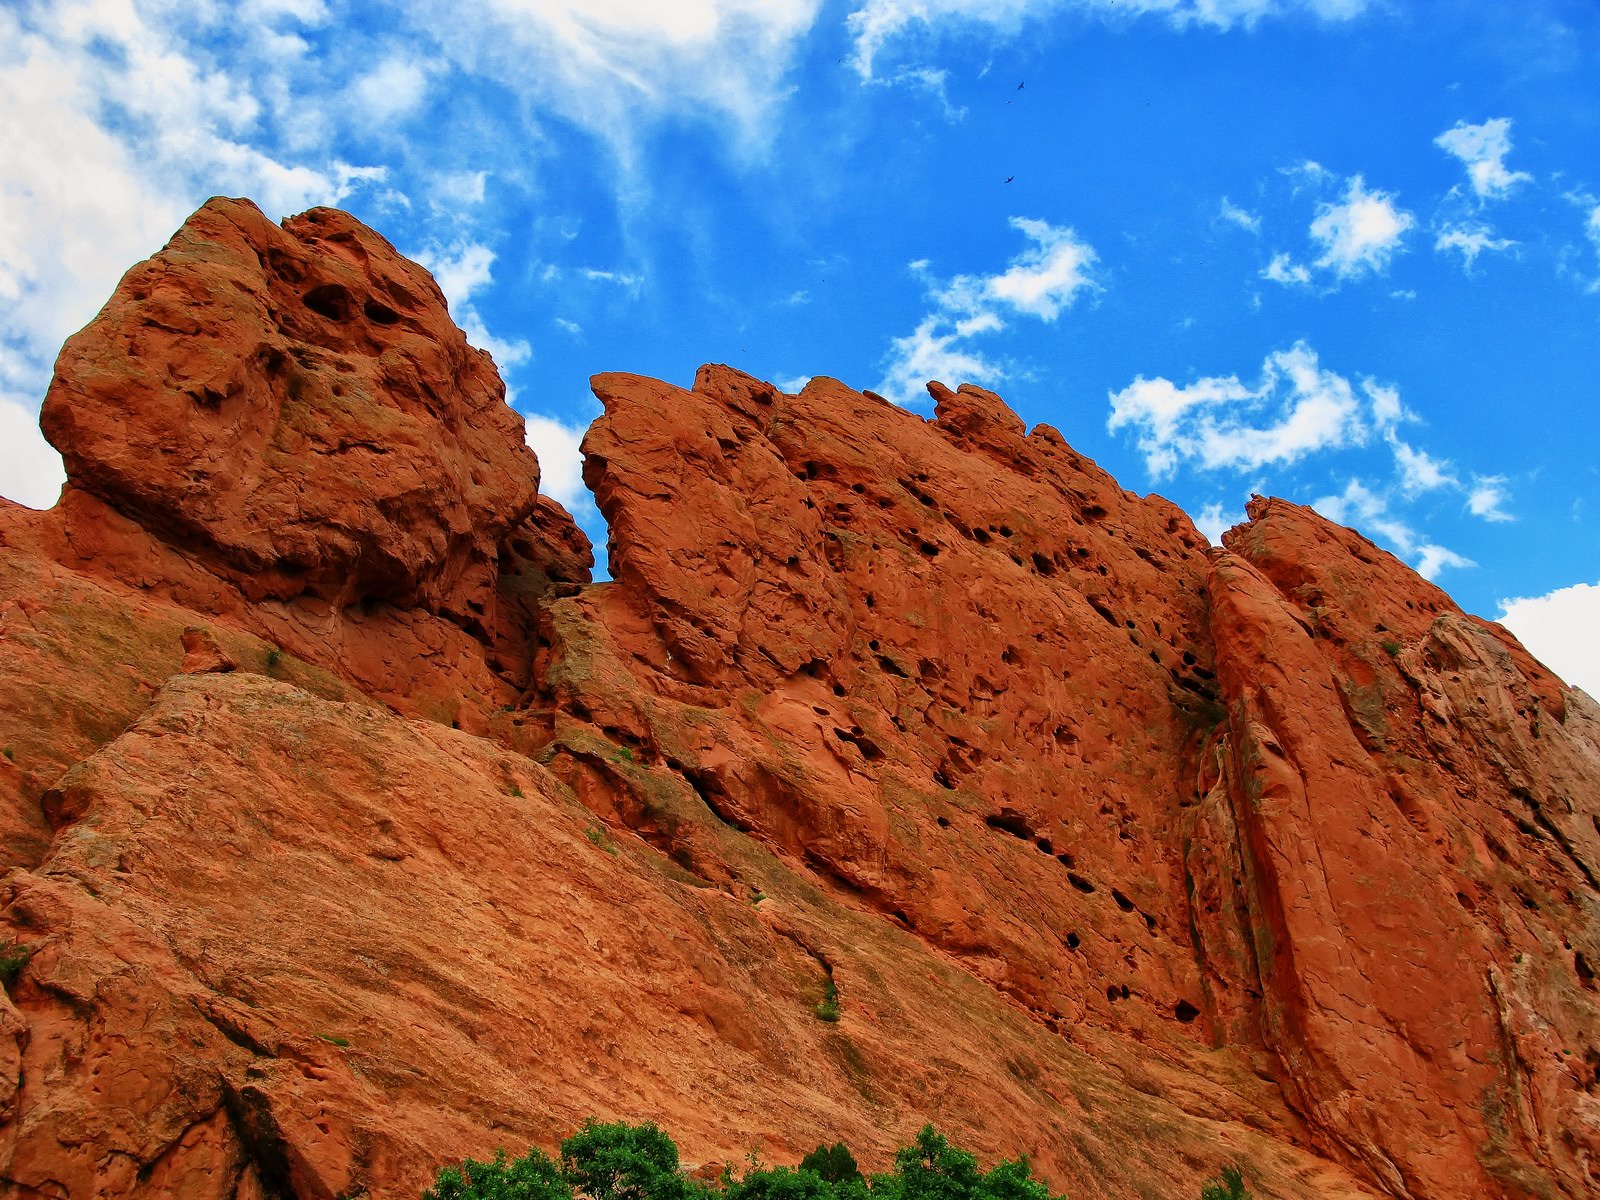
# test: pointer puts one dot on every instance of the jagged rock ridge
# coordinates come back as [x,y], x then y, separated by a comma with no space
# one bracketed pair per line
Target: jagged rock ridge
[1127,852]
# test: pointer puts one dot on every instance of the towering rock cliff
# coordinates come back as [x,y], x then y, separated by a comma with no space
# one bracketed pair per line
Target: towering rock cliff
[1136,855]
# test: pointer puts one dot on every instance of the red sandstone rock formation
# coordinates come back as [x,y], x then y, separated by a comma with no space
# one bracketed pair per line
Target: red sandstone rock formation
[1129,853]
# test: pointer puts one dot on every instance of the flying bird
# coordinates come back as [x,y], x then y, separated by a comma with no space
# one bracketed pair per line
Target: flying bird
[1009,178]
[1022,85]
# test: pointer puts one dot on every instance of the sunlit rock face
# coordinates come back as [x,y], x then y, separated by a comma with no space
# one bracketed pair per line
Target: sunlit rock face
[353,829]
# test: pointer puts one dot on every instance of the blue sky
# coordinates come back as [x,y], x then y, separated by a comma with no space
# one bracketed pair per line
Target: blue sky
[1343,251]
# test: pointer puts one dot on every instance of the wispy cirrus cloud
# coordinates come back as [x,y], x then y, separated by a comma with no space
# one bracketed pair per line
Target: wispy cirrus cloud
[1234,215]
[877,25]
[1368,510]
[1469,241]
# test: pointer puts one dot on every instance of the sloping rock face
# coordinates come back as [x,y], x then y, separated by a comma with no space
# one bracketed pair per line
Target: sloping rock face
[1130,853]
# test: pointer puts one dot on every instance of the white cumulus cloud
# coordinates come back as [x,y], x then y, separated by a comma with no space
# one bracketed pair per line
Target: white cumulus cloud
[1419,471]
[1285,271]
[461,270]
[1215,519]
[1487,496]
[1045,279]
[1360,233]
[30,469]
[1041,282]
[560,459]
[1558,628]
[1295,409]
[1483,149]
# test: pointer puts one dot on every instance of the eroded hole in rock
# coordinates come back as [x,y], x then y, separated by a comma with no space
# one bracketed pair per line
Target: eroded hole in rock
[891,667]
[1185,1012]
[1100,607]
[714,796]
[1585,971]
[869,749]
[1073,941]
[1044,844]
[943,822]
[1066,860]
[1043,565]
[928,550]
[1079,882]
[1009,821]
[1123,902]
[330,300]
[380,314]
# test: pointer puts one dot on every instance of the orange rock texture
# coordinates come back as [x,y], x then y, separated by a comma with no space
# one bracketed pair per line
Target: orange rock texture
[351,829]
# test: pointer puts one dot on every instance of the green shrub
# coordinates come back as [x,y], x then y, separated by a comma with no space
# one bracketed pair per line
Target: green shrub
[640,1162]
[13,957]
[532,1177]
[1227,1186]
[828,1007]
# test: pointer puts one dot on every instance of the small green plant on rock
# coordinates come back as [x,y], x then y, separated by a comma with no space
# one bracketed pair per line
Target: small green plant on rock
[13,957]
[828,1007]
[597,836]
[1227,1186]
[1390,647]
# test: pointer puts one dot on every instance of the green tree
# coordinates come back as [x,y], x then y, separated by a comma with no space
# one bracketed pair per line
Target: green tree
[1015,1181]
[929,1169]
[834,1163]
[780,1183]
[626,1162]
[535,1176]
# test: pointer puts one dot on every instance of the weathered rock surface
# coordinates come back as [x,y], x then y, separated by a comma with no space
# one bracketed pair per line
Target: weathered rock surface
[1130,853]
[280,426]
